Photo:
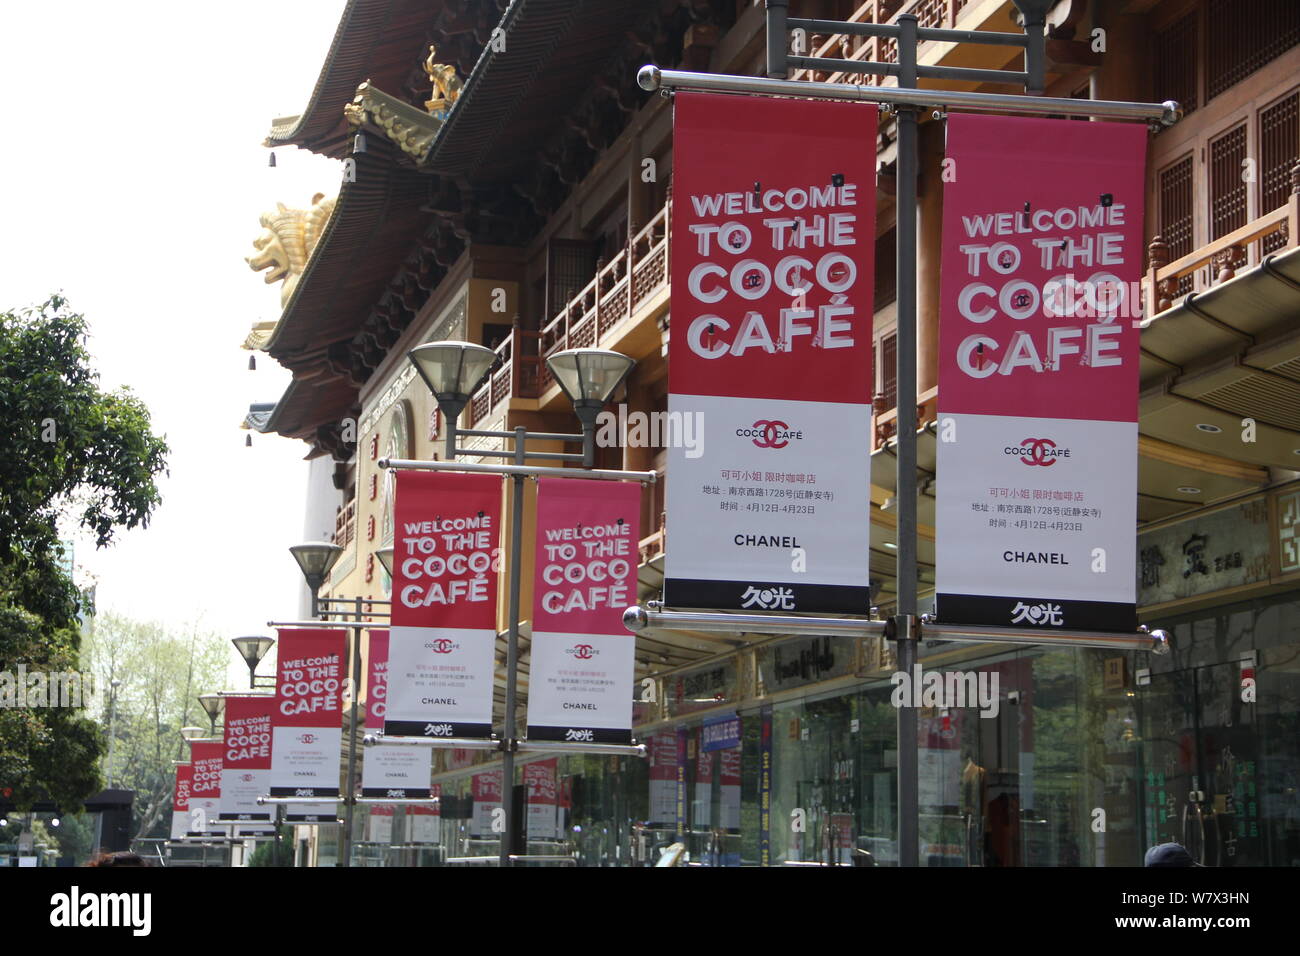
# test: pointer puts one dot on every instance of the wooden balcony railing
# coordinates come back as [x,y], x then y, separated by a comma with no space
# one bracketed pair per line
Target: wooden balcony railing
[1221,259]
[615,293]
[884,421]
[345,524]
[942,14]
[515,373]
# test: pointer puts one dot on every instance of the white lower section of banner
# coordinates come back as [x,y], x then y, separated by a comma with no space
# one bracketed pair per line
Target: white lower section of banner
[764,492]
[481,821]
[239,792]
[305,758]
[394,767]
[202,817]
[581,680]
[439,676]
[542,823]
[180,824]
[381,827]
[1036,508]
[424,827]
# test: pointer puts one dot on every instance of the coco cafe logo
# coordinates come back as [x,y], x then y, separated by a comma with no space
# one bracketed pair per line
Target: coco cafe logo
[583,652]
[1037,451]
[442,645]
[767,433]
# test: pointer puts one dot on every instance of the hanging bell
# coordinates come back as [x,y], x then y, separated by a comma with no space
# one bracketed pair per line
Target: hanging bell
[272,161]
[252,363]
[359,143]
[248,441]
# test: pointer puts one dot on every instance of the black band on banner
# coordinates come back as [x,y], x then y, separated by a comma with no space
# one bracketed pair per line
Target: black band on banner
[305,792]
[588,735]
[759,596]
[244,817]
[310,818]
[413,793]
[435,729]
[1035,613]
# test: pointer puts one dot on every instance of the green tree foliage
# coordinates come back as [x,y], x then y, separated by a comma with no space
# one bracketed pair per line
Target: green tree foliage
[67,448]
[162,672]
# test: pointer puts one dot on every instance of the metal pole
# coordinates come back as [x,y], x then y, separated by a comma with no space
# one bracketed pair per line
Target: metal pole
[512,649]
[603,474]
[908,793]
[114,684]
[1035,49]
[349,796]
[777,12]
[653,78]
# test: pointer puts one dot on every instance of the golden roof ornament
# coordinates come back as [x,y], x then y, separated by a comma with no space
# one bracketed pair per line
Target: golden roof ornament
[287,240]
[446,85]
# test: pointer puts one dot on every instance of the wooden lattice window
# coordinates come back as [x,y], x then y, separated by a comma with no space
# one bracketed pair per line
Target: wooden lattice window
[1227,185]
[570,265]
[886,269]
[1175,52]
[889,369]
[1242,37]
[1174,213]
[1279,149]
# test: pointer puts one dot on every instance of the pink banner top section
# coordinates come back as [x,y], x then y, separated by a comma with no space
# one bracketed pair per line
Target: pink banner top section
[1042,254]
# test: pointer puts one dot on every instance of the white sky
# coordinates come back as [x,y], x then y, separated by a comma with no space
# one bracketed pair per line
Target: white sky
[133,178]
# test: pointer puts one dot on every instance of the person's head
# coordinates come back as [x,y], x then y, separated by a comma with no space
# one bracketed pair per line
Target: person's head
[120,858]
[1169,855]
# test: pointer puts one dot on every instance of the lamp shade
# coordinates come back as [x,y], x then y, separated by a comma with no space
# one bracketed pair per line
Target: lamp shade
[252,649]
[589,375]
[452,370]
[213,704]
[316,558]
[385,556]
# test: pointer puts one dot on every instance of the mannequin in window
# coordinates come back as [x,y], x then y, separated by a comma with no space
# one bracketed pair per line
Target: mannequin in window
[974,802]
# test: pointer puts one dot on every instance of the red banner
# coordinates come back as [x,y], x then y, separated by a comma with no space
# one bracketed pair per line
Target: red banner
[181,801]
[205,786]
[540,785]
[583,663]
[770,373]
[1038,372]
[246,767]
[307,731]
[389,770]
[446,559]
[485,788]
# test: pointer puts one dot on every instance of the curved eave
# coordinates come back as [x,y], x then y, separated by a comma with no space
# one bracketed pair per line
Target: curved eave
[378,39]
[515,98]
[307,404]
[368,236]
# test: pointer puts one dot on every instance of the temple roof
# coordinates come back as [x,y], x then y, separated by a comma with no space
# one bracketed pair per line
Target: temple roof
[384,41]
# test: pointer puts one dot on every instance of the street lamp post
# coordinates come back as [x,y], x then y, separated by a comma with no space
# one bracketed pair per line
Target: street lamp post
[316,559]
[114,684]
[215,706]
[453,371]
[252,649]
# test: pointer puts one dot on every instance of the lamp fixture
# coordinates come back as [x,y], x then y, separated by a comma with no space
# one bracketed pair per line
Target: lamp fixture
[589,377]
[252,649]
